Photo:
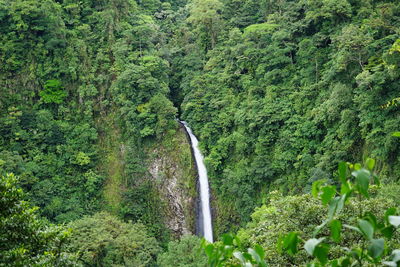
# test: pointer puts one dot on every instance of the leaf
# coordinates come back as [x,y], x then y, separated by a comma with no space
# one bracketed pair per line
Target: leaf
[387,231]
[352,228]
[254,254]
[376,179]
[209,250]
[316,186]
[370,164]
[321,252]
[311,244]
[260,255]
[389,212]
[366,228]
[375,249]
[342,172]
[396,255]
[260,251]
[342,169]
[363,177]
[394,220]
[390,263]
[336,227]
[227,239]
[357,166]
[336,206]
[328,192]
[319,228]
[396,134]
[239,256]
[247,256]
[346,262]
[334,263]
[290,243]
[370,217]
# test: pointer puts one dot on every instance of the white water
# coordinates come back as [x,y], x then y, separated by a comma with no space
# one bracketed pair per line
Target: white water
[204,188]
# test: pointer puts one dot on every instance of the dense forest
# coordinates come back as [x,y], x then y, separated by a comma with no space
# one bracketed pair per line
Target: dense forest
[285,96]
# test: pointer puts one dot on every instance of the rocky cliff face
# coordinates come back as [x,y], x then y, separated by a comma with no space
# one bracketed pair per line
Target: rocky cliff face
[173,171]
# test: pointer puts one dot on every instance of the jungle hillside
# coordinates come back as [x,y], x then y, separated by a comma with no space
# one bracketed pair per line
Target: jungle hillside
[295,104]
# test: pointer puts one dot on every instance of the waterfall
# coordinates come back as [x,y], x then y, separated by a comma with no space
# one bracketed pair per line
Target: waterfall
[205,211]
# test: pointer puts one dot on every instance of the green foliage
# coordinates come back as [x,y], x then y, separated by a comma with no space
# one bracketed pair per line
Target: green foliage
[375,233]
[25,238]
[185,252]
[104,240]
[227,253]
[53,92]
[288,89]
[205,17]
[276,91]
[64,67]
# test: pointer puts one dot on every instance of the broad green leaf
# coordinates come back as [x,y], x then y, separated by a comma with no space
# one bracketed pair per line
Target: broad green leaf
[388,231]
[209,250]
[342,172]
[363,177]
[389,212]
[376,179]
[319,228]
[316,186]
[372,219]
[357,166]
[336,205]
[345,262]
[342,169]
[376,247]
[396,134]
[237,241]
[366,228]
[352,228]
[227,239]
[334,263]
[311,244]
[260,251]
[290,243]
[336,227]
[328,192]
[247,256]
[254,254]
[332,208]
[321,252]
[370,164]
[238,255]
[345,188]
[394,220]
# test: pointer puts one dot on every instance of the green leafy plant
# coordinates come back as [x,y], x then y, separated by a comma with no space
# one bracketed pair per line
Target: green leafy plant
[53,92]
[373,232]
[227,253]
[25,238]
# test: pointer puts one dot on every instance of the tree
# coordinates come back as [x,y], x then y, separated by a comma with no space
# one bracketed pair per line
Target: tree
[374,235]
[185,252]
[206,18]
[53,92]
[25,238]
[104,240]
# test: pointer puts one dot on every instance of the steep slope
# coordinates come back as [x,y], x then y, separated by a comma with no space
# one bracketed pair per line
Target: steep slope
[279,92]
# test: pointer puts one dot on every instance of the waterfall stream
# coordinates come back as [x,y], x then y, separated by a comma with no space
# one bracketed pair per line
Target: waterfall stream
[205,211]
